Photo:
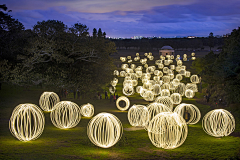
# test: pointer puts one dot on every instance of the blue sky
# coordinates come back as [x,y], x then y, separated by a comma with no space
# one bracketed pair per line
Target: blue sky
[128,18]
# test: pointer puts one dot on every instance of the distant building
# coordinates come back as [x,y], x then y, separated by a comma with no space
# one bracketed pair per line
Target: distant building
[166,50]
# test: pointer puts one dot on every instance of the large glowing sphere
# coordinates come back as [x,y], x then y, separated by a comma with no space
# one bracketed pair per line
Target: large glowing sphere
[167,130]
[189,112]
[48,100]
[87,110]
[27,122]
[104,130]
[165,100]
[127,103]
[138,115]
[218,123]
[65,114]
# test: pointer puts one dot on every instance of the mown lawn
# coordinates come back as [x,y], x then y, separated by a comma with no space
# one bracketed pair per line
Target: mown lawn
[73,143]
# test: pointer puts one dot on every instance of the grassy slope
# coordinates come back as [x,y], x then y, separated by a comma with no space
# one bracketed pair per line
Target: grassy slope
[73,143]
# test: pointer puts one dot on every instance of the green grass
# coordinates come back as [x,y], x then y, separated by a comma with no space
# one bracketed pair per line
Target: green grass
[73,143]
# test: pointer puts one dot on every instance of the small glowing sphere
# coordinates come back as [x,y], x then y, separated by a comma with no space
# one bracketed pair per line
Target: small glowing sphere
[167,101]
[122,74]
[194,79]
[165,69]
[166,79]
[104,130]
[165,86]
[48,100]
[27,122]
[167,130]
[176,98]
[193,54]
[138,115]
[65,114]
[192,86]
[193,58]
[160,66]
[127,103]
[218,123]
[187,74]
[165,92]
[179,77]
[156,89]
[128,90]
[137,54]
[194,113]
[179,63]
[189,93]
[116,72]
[112,89]
[87,110]
[148,95]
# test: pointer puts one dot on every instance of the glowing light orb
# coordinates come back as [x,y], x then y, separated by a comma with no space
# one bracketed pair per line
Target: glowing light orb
[48,100]
[112,89]
[27,122]
[185,109]
[218,123]
[189,93]
[65,114]
[148,96]
[138,115]
[167,130]
[165,100]
[104,130]
[128,90]
[87,110]
[176,98]
[165,92]
[154,109]
[194,79]
[127,103]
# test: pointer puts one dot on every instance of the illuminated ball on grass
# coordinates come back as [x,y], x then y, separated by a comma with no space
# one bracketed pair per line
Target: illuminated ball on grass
[167,130]
[65,114]
[165,100]
[189,93]
[48,100]
[138,115]
[126,102]
[189,112]
[104,130]
[87,110]
[154,109]
[27,122]
[176,98]
[218,123]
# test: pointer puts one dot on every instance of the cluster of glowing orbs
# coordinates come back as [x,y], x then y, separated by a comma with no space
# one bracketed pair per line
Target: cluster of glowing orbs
[87,110]
[192,110]
[167,130]
[218,123]
[65,114]
[104,130]
[176,98]
[127,103]
[27,122]
[48,100]
[138,115]
[167,101]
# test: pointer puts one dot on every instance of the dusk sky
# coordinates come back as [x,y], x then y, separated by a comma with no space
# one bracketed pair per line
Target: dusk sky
[128,18]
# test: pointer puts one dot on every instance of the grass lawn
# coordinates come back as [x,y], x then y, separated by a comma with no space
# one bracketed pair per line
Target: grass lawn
[73,143]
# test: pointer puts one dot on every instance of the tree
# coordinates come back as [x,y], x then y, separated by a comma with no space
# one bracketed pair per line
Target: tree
[210,40]
[94,33]
[104,34]
[100,34]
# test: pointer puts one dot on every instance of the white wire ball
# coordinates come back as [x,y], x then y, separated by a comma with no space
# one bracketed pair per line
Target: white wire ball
[167,130]
[154,109]
[138,115]
[104,130]
[165,100]
[176,98]
[48,100]
[87,110]
[27,122]
[126,100]
[218,123]
[194,112]
[65,114]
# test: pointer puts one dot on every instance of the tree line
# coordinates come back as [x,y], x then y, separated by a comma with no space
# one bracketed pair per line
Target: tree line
[222,71]
[146,44]
[54,55]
